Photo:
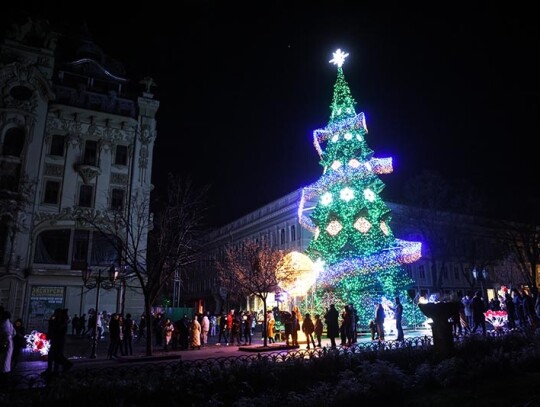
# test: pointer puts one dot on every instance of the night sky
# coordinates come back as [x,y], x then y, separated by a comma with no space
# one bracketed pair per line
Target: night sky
[243,85]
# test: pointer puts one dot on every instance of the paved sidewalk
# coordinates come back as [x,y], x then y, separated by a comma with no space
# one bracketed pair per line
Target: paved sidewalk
[78,350]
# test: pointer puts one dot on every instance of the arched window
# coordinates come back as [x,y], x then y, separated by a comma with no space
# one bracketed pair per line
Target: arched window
[52,246]
[282,236]
[293,233]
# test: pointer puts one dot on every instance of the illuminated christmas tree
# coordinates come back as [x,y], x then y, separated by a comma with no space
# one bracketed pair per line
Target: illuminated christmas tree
[360,258]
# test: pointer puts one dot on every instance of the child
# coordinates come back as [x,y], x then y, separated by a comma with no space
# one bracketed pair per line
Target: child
[373,329]
[318,329]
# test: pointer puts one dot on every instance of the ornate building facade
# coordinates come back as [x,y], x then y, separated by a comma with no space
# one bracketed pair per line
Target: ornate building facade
[278,223]
[76,137]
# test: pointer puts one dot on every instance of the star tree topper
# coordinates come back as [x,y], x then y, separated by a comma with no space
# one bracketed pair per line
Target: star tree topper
[339,58]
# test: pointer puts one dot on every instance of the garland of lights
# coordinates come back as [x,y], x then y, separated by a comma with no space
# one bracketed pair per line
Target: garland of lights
[406,252]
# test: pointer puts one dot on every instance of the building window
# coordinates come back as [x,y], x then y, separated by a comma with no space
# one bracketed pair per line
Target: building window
[13,142]
[58,144]
[445,273]
[282,236]
[90,153]
[9,175]
[293,233]
[117,199]
[86,193]
[421,272]
[52,192]
[120,156]
[52,246]
[456,273]
[104,249]
[81,242]
[408,269]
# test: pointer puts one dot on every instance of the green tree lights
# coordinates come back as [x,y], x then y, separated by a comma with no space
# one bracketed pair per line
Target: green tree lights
[350,221]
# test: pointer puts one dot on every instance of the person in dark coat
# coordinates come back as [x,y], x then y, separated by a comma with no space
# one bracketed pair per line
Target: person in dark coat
[379,320]
[478,309]
[308,327]
[58,325]
[332,325]
[19,342]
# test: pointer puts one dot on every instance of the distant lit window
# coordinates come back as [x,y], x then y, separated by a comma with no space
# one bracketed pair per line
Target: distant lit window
[52,192]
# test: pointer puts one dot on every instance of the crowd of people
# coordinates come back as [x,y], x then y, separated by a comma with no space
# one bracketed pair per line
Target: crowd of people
[522,311]
[236,327]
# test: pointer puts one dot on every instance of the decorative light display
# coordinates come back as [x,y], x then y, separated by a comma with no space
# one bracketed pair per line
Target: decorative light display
[362,263]
[38,342]
[498,319]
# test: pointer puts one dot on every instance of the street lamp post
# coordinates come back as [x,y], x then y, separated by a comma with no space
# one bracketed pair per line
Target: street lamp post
[98,281]
[481,277]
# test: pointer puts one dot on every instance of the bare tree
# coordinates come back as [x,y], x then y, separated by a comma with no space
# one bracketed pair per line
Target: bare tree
[523,240]
[153,248]
[254,268]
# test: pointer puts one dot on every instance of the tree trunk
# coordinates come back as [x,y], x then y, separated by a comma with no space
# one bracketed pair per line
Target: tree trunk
[147,311]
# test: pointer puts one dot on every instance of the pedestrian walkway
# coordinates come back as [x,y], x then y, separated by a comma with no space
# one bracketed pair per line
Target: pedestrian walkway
[79,349]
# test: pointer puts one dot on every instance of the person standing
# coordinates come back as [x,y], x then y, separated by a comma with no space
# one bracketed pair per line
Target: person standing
[141,331]
[213,325]
[127,338]
[248,322]
[58,325]
[229,327]
[7,332]
[332,325]
[222,330]
[74,324]
[468,311]
[195,333]
[372,329]
[478,309]
[318,329]
[205,328]
[19,341]
[183,333]
[114,336]
[157,327]
[81,326]
[398,315]
[379,320]
[168,329]
[308,328]
[270,325]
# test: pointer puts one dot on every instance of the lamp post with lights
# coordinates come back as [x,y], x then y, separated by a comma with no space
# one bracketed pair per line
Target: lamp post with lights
[481,277]
[91,281]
